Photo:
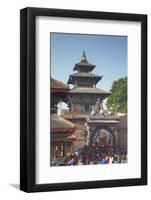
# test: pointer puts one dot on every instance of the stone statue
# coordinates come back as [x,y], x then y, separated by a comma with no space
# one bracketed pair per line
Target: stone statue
[93,110]
[98,106]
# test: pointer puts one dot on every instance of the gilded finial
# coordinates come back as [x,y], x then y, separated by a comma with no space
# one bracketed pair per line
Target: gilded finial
[84,58]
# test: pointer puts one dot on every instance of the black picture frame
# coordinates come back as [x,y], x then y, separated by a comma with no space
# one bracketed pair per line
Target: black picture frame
[28,98]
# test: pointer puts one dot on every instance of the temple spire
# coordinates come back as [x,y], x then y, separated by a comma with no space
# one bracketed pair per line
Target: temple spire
[84,58]
[84,65]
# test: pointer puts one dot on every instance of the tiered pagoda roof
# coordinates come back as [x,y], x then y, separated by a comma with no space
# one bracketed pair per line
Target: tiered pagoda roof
[89,90]
[84,80]
[84,65]
[84,76]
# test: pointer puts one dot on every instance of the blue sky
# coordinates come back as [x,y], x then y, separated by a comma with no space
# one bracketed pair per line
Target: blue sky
[108,53]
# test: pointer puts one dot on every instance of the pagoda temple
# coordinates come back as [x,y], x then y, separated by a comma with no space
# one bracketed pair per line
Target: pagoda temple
[82,97]
[84,93]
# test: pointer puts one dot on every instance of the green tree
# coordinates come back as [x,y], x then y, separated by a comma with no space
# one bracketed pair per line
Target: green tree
[118,98]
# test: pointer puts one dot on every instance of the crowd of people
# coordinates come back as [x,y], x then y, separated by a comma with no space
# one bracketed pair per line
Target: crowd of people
[89,155]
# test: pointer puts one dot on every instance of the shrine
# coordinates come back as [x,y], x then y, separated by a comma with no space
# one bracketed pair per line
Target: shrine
[103,127]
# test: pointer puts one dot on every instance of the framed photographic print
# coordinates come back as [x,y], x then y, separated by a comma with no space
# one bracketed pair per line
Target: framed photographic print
[83,99]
